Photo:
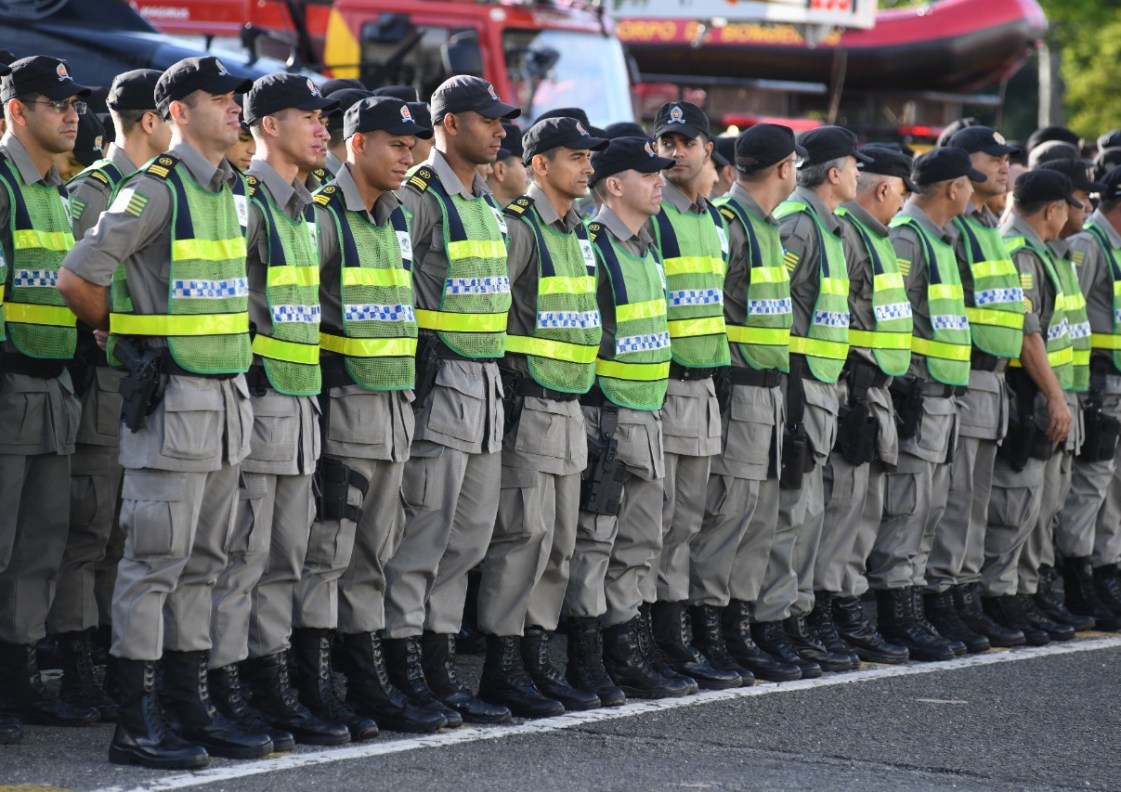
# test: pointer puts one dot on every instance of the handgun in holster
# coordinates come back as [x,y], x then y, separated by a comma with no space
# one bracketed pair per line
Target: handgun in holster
[331,487]
[857,429]
[1024,439]
[797,455]
[142,390]
[722,382]
[427,366]
[907,398]
[1102,431]
[83,366]
[512,399]
[601,483]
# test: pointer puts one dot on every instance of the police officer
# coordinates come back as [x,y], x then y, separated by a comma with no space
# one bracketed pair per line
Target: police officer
[815,257]
[1080,537]
[867,442]
[252,598]
[81,604]
[1039,382]
[509,178]
[38,407]
[995,309]
[915,490]
[553,335]
[617,549]
[177,227]
[730,553]
[689,232]
[336,146]
[369,340]
[453,474]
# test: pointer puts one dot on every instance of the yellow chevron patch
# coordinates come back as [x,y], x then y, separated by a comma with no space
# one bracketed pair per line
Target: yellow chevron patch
[790,260]
[136,204]
[1078,256]
[158,170]
[1026,280]
[904,266]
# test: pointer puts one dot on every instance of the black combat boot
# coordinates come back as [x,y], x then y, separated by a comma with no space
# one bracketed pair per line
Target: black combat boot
[809,647]
[276,701]
[227,696]
[586,671]
[23,693]
[919,608]
[438,657]
[670,621]
[1050,601]
[856,631]
[1082,595]
[773,639]
[547,677]
[406,671]
[1008,612]
[369,691]
[708,637]
[1057,631]
[1107,582]
[11,730]
[943,613]
[505,680]
[821,626]
[80,688]
[311,653]
[655,658]
[735,619]
[143,736]
[967,598]
[630,668]
[895,609]
[186,697]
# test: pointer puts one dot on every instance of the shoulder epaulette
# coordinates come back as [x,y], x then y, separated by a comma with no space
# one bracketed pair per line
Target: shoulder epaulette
[519,206]
[320,173]
[728,212]
[252,183]
[101,177]
[420,179]
[161,166]
[593,230]
[324,195]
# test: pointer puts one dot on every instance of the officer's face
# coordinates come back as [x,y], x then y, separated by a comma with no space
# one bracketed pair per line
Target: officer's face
[962,194]
[567,172]
[847,179]
[1057,215]
[382,159]
[1076,218]
[510,175]
[240,154]
[996,170]
[216,119]
[641,192]
[476,138]
[689,154]
[53,131]
[159,139]
[301,137]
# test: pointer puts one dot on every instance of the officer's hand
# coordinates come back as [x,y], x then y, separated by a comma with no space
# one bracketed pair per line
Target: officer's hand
[101,337]
[1058,420]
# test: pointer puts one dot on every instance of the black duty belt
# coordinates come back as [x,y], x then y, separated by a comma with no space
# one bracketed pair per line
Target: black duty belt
[335,374]
[529,388]
[983,361]
[40,368]
[258,380]
[940,390]
[594,398]
[868,375]
[761,379]
[443,351]
[679,372]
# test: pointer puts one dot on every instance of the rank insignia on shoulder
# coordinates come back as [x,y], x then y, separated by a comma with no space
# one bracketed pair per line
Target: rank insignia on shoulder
[319,173]
[728,213]
[904,266]
[101,177]
[790,259]
[161,166]
[1026,281]
[420,179]
[1078,257]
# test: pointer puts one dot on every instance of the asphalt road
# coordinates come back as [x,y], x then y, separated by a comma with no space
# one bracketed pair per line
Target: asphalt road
[1033,719]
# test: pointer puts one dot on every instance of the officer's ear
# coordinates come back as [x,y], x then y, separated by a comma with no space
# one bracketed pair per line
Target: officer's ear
[450,124]
[15,112]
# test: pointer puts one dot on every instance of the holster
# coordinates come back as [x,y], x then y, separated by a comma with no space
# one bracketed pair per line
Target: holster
[1024,439]
[331,487]
[601,483]
[722,382]
[83,366]
[797,456]
[512,399]
[142,390]
[857,429]
[907,398]
[427,366]
[1101,431]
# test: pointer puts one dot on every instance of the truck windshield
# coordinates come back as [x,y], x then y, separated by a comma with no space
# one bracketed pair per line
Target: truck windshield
[563,68]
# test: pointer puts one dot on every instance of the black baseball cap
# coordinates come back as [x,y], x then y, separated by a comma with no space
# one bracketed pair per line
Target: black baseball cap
[1053,133]
[763,145]
[1078,172]
[1107,160]
[421,114]
[134,90]
[684,118]
[512,143]
[828,143]
[566,112]
[406,93]
[944,164]
[627,153]
[553,133]
[346,97]
[953,128]
[336,84]
[275,92]
[1110,139]
[464,93]
[624,129]
[1044,185]
[205,73]
[382,112]
[1051,150]
[39,74]
[1112,183]
[981,138]
[889,161]
[724,151]
[91,134]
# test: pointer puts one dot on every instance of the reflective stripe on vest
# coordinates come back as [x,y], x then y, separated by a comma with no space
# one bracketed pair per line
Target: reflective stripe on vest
[949,349]
[693,248]
[1060,350]
[826,345]
[378,338]
[890,342]
[764,341]
[1074,303]
[290,353]
[562,348]
[635,373]
[1102,341]
[33,315]
[996,306]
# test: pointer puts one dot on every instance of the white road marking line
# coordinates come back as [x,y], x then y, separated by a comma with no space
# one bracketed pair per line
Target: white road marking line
[475,734]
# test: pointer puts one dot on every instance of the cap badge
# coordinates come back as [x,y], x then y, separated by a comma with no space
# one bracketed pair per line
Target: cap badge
[221,67]
[492,92]
[311,87]
[650,151]
[97,142]
[999,138]
[581,130]
[60,70]
[676,115]
[406,114]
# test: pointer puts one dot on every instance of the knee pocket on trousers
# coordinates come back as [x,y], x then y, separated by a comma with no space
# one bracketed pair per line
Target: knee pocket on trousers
[83,500]
[901,494]
[154,513]
[416,492]
[251,495]
[517,503]
[1010,506]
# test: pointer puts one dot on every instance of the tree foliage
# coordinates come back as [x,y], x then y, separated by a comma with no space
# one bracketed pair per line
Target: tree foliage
[1088,34]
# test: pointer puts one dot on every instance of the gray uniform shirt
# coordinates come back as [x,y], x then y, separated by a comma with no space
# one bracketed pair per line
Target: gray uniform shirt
[201,422]
[362,424]
[549,436]
[640,431]
[464,410]
[89,196]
